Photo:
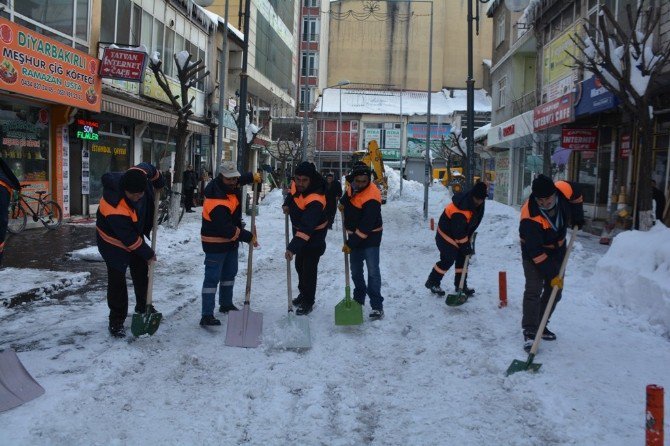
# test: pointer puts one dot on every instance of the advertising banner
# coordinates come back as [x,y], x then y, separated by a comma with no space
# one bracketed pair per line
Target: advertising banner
[417,134]
[553,113]
[123,64]
[625,146]
[557,61]
[592,97]
[37,66]
[579,139]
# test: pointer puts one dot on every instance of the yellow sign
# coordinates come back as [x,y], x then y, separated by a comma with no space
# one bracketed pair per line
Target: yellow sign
[151,89]
[557,62]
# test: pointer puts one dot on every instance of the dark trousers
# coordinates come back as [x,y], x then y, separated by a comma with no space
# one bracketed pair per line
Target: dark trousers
[188,198]
[306,264]
[448,254]
[117,292]
[535,297]
[330,212]
[4,217]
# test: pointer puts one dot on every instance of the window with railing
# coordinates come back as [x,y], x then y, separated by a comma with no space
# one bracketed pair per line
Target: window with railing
[309,64]
[310,29]
[502,91]
[524,103]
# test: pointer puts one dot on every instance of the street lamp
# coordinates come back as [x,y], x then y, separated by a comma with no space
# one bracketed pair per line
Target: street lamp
[340,84]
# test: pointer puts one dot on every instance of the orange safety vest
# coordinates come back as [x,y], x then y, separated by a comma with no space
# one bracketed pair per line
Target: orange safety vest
[232,203]
[124,209]
[449,211]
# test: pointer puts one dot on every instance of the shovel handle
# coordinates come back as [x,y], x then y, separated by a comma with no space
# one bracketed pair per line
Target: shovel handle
[288,268]
[464,272]
[346,256]
[552,298]
[152,264]
[247,291]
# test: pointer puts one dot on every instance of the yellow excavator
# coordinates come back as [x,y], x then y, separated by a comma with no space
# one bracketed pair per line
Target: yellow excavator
[373,158]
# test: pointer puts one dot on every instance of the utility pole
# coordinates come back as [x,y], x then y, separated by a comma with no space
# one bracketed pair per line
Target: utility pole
[242,150]
[222,93]
[306,95]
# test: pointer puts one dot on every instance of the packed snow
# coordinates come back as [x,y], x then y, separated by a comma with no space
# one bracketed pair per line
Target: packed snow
[426,374]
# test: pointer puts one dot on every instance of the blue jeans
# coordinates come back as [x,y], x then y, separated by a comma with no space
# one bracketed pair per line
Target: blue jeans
[373,289]
[220,270]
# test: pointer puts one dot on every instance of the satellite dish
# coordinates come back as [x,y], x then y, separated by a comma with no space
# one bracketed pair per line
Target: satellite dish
[203,3]
[516,5]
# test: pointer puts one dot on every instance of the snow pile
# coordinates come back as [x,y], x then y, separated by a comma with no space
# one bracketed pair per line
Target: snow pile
[88,254]
[42,283]
[635,274]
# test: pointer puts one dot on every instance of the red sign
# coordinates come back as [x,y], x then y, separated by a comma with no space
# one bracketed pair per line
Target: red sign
[553,113]
[507,131]
[123,64]
[580,139]
[624,151]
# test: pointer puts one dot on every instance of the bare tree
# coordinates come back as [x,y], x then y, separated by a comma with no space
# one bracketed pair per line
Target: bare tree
[288,152]
[189,74]
[626,63]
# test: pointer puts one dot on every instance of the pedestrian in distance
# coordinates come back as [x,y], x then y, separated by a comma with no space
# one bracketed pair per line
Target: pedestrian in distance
[455,228]
[124,217]
[190,183]
[659,200]
[362,210]
[546,215]
[221,234]
[333,194]
[8,184]
[305,204]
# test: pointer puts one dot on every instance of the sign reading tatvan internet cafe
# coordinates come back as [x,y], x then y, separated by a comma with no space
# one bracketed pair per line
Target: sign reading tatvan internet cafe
[37,66]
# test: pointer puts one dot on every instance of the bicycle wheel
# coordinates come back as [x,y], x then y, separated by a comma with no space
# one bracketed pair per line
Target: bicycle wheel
[162,212]
[17,218]
[51,215]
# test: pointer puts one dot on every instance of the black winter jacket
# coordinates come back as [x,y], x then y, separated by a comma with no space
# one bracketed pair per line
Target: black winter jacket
[459,221]
[363,216]
[308,217]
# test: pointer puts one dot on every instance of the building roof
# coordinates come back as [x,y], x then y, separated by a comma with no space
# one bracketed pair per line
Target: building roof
[216,19]
[388,102]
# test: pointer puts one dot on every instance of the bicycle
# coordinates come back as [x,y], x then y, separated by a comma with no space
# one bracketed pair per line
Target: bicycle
[48,212]
[164,207]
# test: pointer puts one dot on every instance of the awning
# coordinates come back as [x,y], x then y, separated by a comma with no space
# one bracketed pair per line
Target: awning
[142,113]
[515,132]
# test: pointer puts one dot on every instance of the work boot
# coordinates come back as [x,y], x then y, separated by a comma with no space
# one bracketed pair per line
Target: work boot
[375,315]
[548,335]
[227,308]
[297,301]
[303,309]
[209,320]
[528,339]
[152,310]
[435,288]
[117,330]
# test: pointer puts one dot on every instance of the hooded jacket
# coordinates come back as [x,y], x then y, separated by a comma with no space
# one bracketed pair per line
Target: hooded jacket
[363,216]
[221,229]
[459,221]
[308,217]
[122,224]
[542,240]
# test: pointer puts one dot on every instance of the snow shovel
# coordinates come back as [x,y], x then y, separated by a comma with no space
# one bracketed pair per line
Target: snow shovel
[246,327]
[518,365]
[148,322]
[16,384]
[348,311]
[454,300]
[296,327]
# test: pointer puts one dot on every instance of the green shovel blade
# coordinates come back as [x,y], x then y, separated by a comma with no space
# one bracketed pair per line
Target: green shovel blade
[348,311]
[454,300]
[523,366]
[144,323]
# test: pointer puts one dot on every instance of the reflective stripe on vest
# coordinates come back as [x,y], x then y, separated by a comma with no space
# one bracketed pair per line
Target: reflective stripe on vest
[303,202]
[210,239]
[118,243]
[122,208]
[2,246]
[231,202]
[446,237]
[525,215]
[306,237]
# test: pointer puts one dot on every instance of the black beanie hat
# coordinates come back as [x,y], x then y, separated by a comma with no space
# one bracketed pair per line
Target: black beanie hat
[134,181]
[305,169]
[361,169]
[543,187]
[479,190]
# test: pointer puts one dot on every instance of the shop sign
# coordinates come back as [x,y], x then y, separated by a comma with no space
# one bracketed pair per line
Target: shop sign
[557,61]
[392,139]
[593,97]
[123,64]
[579,139]
[553,113]
[559,88]
[372,135]
[87,129]
[508,131]
[151,89]
[85,171]
[390,154]
[37,66]
[624,146]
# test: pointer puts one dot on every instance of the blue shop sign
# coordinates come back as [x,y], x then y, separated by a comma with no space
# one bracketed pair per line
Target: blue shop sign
[592,97]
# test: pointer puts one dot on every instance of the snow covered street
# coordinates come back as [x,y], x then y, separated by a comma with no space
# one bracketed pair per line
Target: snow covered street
[426,374]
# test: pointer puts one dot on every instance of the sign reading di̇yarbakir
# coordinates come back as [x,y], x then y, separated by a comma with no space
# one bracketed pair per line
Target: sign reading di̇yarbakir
[37,66]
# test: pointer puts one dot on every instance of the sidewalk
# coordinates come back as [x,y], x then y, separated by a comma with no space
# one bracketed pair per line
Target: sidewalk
[36,262]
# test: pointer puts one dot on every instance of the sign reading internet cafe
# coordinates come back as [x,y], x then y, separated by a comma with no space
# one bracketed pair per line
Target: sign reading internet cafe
[37,66]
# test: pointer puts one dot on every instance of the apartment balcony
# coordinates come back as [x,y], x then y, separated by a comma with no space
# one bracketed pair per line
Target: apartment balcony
[310,37]
[523,104]
[311,72]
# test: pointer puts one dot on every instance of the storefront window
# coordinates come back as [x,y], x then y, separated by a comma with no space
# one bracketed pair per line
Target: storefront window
[110,154]
[24,137]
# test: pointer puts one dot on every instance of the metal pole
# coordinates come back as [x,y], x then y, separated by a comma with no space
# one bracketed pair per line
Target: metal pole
[222,94]
[244,81]
[469,172]
[339,133]
[305,104]
[402,140]
[430,83]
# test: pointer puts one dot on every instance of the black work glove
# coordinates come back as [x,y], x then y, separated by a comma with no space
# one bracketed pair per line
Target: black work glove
[466,249]
[578,223]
